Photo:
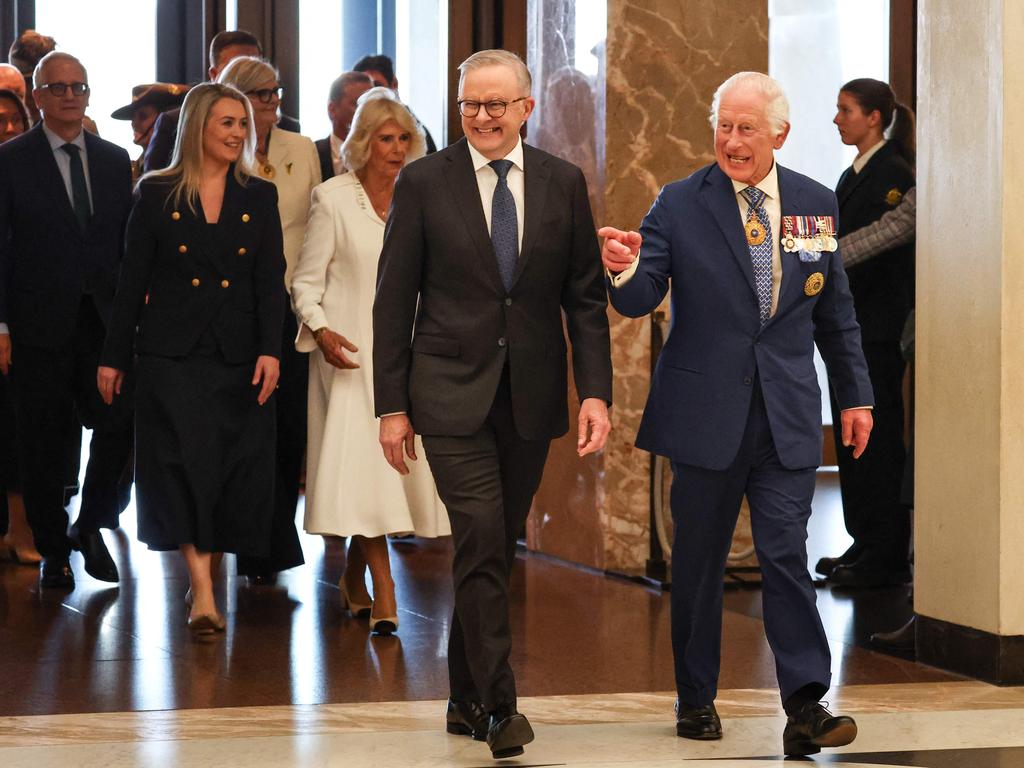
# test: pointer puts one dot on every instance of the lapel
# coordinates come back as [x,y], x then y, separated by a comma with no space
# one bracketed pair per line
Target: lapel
[278,152]
[461,180]
[849,181]
[720,198]
[49,176]
[536,175]
[216,241]
[792,205]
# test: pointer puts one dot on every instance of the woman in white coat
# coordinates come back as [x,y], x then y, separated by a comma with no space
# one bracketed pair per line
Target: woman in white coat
[289,161]
[350,490]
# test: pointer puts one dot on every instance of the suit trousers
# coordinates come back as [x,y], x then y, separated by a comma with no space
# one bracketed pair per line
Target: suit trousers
[487,481]
[871,486]
[292,415]
[49,384]
[705,506]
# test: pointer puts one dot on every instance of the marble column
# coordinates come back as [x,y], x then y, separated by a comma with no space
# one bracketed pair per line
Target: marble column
[969,484]
[648,101]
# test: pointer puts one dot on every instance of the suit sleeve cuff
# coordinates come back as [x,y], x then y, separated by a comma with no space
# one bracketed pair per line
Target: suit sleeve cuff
[625,275]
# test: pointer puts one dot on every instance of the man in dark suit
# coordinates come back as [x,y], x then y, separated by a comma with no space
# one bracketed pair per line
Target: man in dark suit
[64,201]
[488,243]
[341,108]
[756,281]
[225,46]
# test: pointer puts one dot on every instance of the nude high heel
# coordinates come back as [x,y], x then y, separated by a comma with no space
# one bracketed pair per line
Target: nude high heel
[358,610]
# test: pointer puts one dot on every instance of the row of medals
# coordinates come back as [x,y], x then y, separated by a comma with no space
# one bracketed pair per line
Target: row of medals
[756,235]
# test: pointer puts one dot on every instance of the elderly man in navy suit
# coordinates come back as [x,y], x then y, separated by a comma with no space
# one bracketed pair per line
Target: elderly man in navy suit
[749,251]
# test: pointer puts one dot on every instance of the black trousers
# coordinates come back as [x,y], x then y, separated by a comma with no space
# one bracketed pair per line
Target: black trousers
[487,481]
[292,414]
[871,486]
[49,384]
[705,505]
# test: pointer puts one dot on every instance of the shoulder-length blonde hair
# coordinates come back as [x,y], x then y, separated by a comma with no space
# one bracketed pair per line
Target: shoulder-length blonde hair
[376,107]
[247,73]
[186,168]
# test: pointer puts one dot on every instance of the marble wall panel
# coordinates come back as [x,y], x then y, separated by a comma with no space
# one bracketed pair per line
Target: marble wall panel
[650,97]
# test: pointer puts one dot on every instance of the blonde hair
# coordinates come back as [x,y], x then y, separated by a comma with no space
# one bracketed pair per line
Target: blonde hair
[186,168]
[247,73]
[498,57]
[376,107]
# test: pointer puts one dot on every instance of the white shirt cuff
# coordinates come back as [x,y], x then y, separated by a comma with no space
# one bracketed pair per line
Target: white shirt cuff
[625,275]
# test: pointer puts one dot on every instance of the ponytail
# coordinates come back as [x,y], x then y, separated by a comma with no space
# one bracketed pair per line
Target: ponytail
[902,133]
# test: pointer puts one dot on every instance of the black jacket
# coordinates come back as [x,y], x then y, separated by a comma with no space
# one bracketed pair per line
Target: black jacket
[438,284]
[182,276]
[47,263]
[323,151]
[883,287]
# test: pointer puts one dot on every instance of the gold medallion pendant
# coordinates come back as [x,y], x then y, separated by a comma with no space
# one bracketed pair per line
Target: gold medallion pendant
[755,232]
[814,284]
[267,171]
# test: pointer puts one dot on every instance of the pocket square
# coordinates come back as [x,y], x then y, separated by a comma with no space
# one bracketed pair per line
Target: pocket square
[809,256]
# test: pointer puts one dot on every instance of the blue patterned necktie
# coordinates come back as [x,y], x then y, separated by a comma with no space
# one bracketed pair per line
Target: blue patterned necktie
[504,224]
[79,190]
[760,255]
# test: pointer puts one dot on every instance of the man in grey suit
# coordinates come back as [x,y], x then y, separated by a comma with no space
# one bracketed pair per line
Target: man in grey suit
[488,243]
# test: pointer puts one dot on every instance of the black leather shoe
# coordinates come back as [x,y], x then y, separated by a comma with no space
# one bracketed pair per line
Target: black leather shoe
[700,723]
[812,727]
[509,731]
[903,639]
[826,565]
[262,579]
[98,562]
[467,718]
[55,573]
[862,576]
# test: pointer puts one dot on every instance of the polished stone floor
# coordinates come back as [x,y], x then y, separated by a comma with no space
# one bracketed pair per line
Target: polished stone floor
[107,675]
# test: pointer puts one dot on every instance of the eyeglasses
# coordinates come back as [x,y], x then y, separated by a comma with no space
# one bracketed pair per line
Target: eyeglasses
[59,89]
[495,108]
[266,95]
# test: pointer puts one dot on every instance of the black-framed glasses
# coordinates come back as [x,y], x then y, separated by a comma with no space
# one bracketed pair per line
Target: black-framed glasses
[266,95]
[494,108]
[59,89]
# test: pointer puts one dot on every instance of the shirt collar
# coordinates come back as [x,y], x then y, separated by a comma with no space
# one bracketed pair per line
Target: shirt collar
[516,156]
[862,160]
[769,184]
[56,142]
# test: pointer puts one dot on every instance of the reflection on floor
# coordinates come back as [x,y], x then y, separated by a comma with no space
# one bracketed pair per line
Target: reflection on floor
[107,675]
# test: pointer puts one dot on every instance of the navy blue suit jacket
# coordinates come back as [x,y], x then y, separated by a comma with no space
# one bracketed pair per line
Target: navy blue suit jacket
[47,263]
[700,396]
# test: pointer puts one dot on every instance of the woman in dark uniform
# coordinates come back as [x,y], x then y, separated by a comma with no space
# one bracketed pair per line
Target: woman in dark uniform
[869,117]
[201,303]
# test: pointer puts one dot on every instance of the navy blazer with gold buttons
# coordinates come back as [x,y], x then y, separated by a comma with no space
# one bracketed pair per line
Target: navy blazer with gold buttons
[181,276]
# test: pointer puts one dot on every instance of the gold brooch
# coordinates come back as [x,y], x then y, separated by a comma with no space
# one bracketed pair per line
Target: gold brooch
[893,197]
[814,284]
[267,171]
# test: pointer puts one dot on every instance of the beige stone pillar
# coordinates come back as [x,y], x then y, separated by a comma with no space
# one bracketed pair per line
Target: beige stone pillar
[662,61]
[970,338]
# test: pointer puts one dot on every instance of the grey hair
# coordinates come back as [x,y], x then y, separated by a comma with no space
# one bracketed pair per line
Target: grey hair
[776,107]
[344,80]
[500,58]
[376,107]
[52,56]
[247,73]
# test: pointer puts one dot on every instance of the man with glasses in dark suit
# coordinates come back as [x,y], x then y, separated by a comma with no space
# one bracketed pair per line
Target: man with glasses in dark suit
[64,200]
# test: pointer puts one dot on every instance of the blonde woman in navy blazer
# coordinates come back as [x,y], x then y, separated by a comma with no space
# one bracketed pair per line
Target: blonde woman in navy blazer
[200,302]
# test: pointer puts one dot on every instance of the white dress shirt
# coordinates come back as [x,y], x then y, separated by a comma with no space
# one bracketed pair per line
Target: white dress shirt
[487,182]
[336,161]
[861,160]
[64,161]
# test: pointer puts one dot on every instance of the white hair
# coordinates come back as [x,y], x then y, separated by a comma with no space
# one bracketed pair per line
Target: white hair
[776,106]
[501,58]
[40,71]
